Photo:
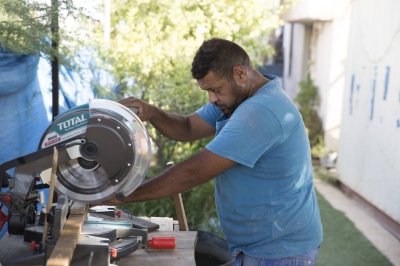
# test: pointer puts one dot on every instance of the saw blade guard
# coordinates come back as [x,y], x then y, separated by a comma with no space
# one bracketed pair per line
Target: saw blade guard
[139,139]
[108,147]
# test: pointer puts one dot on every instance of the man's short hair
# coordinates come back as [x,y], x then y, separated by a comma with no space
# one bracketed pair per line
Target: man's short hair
[219,56]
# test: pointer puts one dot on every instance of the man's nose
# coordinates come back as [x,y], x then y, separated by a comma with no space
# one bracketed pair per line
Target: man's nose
[212,97]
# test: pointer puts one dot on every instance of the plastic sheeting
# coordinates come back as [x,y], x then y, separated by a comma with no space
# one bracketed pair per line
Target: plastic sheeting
[26,100]
[23,115]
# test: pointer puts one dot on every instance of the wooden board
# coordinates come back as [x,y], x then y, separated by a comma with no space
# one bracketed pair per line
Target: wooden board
[65,246]
[179,208]
[180,212]
[79,208]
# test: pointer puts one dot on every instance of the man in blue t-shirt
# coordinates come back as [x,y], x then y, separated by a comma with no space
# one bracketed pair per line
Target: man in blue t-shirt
[260,158]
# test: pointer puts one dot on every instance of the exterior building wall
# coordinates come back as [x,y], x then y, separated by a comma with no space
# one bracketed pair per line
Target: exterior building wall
[321,62]
[329,52]
[325,57]
[369,150]
[354,60]
[295,45]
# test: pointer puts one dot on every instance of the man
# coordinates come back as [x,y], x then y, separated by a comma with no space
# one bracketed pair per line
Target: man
[260,158]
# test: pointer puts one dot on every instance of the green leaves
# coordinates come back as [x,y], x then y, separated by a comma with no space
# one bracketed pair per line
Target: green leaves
[309,100]
[308,96]
[154,43]
[26,28]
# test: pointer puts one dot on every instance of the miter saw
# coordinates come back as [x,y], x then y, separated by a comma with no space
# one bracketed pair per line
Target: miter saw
[103,151]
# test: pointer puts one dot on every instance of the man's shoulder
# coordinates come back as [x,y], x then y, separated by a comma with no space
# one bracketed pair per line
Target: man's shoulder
[209,113]
[265,100]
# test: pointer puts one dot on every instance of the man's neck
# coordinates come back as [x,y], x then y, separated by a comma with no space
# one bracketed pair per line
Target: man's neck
[256,82]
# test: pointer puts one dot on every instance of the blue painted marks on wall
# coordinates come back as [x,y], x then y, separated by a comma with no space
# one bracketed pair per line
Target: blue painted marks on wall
[373,97]
[386,83]
[351,94]
[398,123]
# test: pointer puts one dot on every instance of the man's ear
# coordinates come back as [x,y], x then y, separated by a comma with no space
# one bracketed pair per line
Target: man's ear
[239,74]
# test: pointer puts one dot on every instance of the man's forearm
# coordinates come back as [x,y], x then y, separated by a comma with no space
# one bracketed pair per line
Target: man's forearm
[198,169]
[174,180]
[172,126]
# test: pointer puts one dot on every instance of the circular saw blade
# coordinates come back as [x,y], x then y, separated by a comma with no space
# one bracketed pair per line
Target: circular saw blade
[81,180]
[114,158]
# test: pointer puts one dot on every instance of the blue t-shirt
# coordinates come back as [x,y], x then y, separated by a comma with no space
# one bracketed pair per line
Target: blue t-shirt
[266,203]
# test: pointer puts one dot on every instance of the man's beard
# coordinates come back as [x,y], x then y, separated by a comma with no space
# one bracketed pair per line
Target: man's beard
[238,96]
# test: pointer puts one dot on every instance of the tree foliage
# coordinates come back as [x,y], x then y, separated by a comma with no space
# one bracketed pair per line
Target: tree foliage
[25,28]
[309,100]
[150,51]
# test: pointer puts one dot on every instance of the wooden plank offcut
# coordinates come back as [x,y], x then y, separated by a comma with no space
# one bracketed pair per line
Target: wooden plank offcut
[64,249]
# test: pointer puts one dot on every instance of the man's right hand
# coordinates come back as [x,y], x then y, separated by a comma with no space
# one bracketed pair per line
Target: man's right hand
[145,111]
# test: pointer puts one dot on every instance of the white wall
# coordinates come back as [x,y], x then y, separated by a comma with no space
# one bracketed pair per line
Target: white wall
[329,51]
[296,45]
[319,44]
[354,56]
[369,150]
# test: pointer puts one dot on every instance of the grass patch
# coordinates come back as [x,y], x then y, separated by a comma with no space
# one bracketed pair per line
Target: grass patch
[344,244]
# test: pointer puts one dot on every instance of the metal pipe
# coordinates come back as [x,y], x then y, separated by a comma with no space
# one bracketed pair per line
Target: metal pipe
[54,58]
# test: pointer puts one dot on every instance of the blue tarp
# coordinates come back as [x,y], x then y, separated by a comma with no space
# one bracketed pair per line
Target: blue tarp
[26,99]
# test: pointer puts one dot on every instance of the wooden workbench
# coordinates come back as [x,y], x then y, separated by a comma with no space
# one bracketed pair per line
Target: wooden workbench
[12,247]
[183,255]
